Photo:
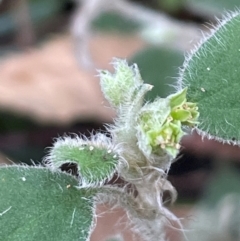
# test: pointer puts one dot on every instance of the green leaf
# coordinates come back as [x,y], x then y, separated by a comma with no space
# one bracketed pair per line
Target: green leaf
[212,75]
[37,204]
[178,99]
[96,159]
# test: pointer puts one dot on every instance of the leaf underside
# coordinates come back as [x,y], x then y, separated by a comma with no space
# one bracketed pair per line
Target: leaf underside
[37,204]
[213,79]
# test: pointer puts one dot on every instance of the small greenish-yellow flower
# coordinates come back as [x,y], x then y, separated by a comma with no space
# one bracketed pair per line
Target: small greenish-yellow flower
[169,137]
[160,124]
[186,112]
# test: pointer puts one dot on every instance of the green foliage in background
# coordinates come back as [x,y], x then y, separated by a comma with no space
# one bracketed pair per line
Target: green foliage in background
[114,22]
[171,6]
[214,6]
[159,67]
[217,215]
[39,12]
[13,122]
[225,181]
[15,133]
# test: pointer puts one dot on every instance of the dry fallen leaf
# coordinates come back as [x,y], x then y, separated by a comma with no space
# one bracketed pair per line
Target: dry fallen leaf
[47,84]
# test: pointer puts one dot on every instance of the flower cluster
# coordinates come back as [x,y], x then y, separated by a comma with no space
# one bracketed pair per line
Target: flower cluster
[160,123]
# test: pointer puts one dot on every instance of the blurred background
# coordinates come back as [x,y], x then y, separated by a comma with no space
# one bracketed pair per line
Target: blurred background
[49,53]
